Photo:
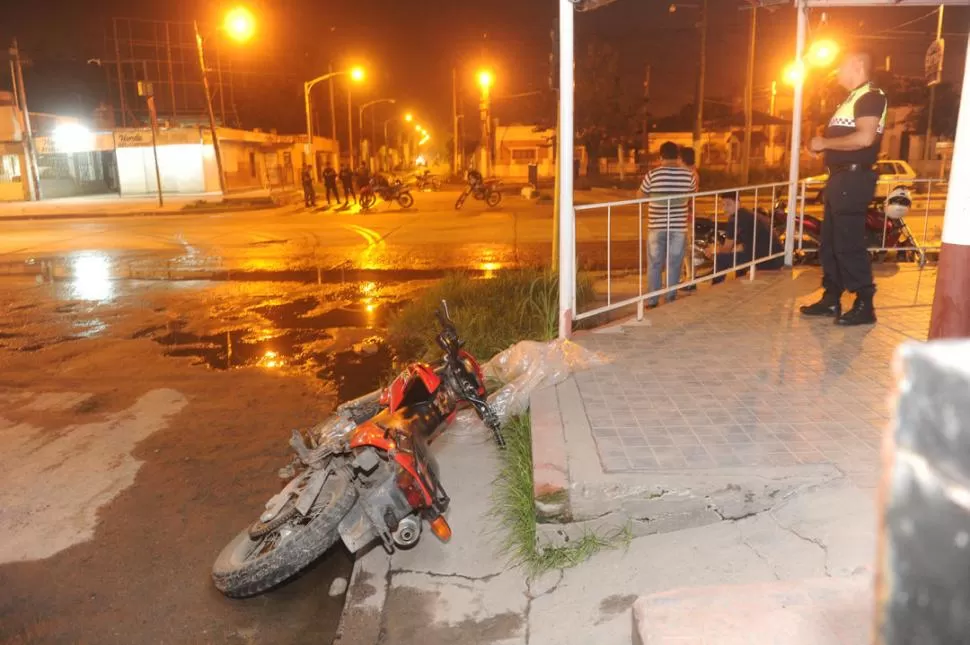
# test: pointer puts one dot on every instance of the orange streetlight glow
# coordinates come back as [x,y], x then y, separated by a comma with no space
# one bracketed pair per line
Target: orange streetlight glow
[240,24]
[408,117]
[822,53]
[485,79]
[357,73]
[794,73]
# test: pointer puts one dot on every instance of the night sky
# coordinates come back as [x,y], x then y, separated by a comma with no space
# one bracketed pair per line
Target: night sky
[411,48]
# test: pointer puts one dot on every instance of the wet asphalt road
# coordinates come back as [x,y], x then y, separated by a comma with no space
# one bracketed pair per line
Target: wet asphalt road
[424,240]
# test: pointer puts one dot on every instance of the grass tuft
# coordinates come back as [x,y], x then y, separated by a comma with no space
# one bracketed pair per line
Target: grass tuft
[514,508]
[491,314]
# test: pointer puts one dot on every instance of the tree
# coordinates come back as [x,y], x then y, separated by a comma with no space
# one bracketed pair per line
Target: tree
[945,112]
[606,110]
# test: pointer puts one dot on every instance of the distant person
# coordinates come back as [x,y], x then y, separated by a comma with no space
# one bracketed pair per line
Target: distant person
[750,237]
[363,175]
[309,195]
[667,218]
[347,179]
[689,158]
[330,182]
[475,178]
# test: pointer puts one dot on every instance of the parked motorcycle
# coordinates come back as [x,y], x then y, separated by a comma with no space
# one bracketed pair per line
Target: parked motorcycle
[427,181]
[388,191]
[366,473]
[487,191]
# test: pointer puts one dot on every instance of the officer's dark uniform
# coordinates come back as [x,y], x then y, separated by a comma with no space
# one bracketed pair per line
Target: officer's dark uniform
[849,191]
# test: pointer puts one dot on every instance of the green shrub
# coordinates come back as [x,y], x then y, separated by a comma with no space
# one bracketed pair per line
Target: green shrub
[491,314]
[514,509]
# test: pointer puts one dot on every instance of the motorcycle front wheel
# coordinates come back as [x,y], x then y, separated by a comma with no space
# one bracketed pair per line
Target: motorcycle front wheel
[366,201]
[461,201]
[248,566]
[493,199]
[406,200]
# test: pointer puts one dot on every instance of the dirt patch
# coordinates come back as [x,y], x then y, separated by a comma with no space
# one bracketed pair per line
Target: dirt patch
[614,605]
[142,575]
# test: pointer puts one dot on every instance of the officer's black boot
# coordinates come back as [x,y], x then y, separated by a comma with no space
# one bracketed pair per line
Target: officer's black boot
[862,312]
[830,304]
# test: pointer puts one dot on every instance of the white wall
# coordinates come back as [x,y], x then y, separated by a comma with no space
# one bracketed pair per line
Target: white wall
[181,169]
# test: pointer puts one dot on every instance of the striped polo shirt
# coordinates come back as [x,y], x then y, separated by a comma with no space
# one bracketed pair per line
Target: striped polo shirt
[669,181]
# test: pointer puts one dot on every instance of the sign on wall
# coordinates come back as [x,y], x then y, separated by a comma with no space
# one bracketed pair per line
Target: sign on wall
[141,138]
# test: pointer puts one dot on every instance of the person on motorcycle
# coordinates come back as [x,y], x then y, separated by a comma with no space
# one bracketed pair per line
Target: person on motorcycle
[750,237]
[475,179]
[347,179]
[363,175]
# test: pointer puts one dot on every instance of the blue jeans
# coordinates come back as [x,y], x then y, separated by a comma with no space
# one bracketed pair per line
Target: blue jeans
[664,245]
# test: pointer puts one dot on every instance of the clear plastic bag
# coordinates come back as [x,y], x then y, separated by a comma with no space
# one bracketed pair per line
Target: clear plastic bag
[522,369]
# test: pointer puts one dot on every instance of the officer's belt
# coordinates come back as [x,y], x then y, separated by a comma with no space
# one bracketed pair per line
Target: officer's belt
[848,167]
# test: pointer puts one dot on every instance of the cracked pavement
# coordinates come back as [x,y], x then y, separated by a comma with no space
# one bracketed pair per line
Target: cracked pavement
[467,592]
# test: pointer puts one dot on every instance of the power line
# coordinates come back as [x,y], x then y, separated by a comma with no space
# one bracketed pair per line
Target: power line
[907,23]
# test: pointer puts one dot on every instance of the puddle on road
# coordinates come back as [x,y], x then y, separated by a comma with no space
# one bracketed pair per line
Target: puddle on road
[340,343]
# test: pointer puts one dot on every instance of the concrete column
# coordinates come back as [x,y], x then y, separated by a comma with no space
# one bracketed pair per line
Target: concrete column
[951,304]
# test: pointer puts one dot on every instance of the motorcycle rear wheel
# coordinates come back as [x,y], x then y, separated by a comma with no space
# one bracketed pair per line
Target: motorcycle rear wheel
[493,199]
[461,201]
[247,567]
[406,200]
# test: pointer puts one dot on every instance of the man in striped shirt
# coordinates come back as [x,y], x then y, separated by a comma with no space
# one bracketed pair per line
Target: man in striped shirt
[668,186]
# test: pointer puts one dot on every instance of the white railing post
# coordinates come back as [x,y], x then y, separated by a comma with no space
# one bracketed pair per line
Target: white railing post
[796,135]
[567,215]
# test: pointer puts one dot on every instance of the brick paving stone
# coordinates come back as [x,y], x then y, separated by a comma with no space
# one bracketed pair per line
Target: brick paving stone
[734,376]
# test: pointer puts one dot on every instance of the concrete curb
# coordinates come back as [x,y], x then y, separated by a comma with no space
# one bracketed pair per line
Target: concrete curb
[591,500]
[147,213]
[363,612]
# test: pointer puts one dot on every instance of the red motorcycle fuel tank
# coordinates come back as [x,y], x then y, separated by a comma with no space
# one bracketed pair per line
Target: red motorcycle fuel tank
[396,392]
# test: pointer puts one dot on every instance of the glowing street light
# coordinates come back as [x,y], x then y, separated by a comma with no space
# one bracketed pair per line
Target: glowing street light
[408,117]
[357,74]
[822,53]
[240,24]
[418,128]
[794,73]
[485,79]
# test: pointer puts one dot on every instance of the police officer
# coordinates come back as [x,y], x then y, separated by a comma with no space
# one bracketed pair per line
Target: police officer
[850,145]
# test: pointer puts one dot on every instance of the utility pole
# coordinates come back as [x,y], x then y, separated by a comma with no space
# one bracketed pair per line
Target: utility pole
[146,90]
[646,113]
[749,100]
[28,135]
[208,103]
[699,124]
[333,113]
[772,129]
[350,124]
[455,169]
[929,116]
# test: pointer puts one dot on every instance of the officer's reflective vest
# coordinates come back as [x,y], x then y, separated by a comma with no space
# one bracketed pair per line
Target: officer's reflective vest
[844,116]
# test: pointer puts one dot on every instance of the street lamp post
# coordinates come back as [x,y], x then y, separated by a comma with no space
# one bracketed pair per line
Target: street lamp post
[360,122]
[208,104]
[485,80]
[356,74]
[240,26]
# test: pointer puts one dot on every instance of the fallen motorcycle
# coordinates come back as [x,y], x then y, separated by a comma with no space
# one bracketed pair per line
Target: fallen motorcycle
[364,474]
[427,181]
[487,191]
[389,192]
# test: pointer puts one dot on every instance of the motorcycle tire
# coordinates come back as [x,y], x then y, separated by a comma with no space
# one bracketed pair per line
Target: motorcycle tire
[461,201]
[435,185]
[493,199]
[406,200]
[367,201]
[238,574]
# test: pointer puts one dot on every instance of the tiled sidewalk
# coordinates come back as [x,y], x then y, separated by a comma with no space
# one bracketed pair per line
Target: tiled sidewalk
[735,377]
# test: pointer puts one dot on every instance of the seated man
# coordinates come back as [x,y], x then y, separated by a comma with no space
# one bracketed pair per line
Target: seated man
[753,233]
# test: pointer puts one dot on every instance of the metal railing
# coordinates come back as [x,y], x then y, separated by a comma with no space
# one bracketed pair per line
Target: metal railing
[633,279]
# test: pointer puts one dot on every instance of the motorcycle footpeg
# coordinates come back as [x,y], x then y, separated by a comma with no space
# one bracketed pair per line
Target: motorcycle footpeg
[298,443]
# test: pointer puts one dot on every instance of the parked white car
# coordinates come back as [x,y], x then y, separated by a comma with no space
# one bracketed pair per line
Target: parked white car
[892,173]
